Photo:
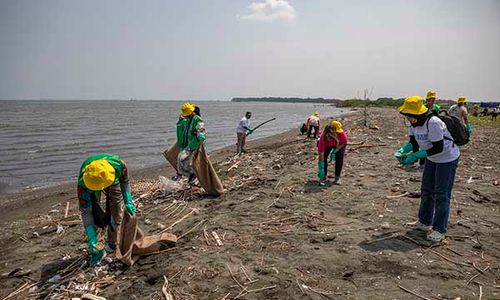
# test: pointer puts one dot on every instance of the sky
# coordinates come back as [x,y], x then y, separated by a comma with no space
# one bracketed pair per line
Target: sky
[219,49]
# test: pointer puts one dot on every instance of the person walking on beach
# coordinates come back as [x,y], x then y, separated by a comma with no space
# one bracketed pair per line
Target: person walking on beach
[190,133]
[428,133]
[313,123]
[460,111]
[241,132]
[430,102]
[332,143]
[103,173]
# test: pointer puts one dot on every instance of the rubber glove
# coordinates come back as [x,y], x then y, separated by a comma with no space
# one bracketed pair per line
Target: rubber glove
[468,127]
[413,157]
[129,203]
[332,154]
[403,150]
[321,169]
[436,108]
[201,136]
[249,131]
[95,254]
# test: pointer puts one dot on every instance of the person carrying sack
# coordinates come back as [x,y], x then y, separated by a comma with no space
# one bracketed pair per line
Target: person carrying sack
[430,138]
[332,143]
[190,133]
[103,173]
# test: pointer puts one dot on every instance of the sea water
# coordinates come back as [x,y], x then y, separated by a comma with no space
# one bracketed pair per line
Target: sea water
[44,142]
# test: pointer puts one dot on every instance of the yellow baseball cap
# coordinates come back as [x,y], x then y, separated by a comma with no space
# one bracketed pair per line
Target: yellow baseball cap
[431,95]
[337,126]
[413,105]
[98,175]
[461,99]
[187,109]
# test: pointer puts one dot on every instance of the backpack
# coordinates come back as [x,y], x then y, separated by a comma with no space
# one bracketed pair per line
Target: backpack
[459,134]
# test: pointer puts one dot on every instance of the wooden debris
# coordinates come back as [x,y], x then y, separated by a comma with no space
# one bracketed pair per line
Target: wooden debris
[217,239]
[92,297]
[180,220]
[413,293]
[164,290]
[67,210]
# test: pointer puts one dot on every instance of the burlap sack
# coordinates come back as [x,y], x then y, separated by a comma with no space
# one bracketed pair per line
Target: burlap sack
[171,155]
[131,242]
[206,174]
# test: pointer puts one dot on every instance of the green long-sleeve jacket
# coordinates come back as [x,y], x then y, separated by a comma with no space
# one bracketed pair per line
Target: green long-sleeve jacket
[190,131]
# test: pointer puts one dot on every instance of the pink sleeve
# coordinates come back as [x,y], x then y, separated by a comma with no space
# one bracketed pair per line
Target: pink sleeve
[321,144]
[343,138]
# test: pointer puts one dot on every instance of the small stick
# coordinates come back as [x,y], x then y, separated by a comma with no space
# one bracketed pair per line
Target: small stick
[300,286]
[234,278]
[398,196]
[67,210]
[17,291]
[180,220]
[413,293]
[475,276]
[480,292]
[246,275]
[253,291]
[190,230]
[233,166]
[206,236]
[164,289]
[217,239]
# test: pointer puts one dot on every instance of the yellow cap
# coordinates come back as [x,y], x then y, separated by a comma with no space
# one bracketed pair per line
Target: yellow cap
[413,105]
[431,95]
[316,113]
[337,126]
[461,99]
[98,175]
[187,109]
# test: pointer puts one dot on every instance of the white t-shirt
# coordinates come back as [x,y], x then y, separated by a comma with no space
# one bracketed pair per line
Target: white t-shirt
[313,121]
[437,131]
[458,111]
[244,122]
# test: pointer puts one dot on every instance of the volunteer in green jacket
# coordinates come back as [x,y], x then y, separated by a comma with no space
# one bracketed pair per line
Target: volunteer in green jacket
[190,133]
[430,139]
[105,173]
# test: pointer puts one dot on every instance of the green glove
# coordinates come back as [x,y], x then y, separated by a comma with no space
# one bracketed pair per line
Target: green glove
[332,154]
[436,108]
[403,150]
[468,127]
[413,157]
[201,136]
[250,131]
[129,203]
[321,170]
[95,254]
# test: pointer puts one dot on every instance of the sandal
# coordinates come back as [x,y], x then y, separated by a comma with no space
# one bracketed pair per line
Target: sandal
[435,236]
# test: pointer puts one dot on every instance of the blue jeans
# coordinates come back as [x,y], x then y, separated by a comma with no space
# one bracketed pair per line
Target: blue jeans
[437,183]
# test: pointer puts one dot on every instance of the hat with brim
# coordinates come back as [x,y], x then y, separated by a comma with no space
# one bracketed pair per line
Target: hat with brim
[98,175]
[187,109]
[337,126]
[461,99]
[413,106]
[431,95]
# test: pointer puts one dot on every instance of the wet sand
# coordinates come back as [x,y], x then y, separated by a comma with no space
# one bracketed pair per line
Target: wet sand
[282,236]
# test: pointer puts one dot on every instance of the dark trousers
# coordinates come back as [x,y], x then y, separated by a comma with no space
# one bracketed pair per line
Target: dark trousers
[437,183]
[310,129]
[339,160]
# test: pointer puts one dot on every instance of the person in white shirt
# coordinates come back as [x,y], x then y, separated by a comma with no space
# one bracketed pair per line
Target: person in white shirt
[313,123]
[430,139]
[460,111]
[241,132]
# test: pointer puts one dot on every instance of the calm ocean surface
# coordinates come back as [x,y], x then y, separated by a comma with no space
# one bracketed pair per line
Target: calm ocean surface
[44,142]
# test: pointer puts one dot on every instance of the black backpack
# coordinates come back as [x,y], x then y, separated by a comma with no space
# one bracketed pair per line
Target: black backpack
[459,134]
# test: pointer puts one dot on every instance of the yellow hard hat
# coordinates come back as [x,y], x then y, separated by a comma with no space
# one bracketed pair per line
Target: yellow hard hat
[413,105]
[461,99]
[337,126]
[431,95]
[316,113]
[187,109]
[98,175]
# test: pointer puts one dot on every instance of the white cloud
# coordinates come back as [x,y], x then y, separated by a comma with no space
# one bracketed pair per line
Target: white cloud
[270,10]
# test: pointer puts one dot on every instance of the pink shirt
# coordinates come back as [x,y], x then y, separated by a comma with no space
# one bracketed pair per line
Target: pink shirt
[323,142]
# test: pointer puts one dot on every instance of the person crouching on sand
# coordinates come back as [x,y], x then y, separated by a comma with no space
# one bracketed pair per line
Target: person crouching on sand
[103,173]
[428,133]
[190,133]
[332,143]
[242,131]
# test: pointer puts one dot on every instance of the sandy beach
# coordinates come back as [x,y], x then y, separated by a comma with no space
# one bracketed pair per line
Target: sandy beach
[281,236]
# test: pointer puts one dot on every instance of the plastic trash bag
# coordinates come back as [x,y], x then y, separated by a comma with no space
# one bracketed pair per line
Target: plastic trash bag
[168,186]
